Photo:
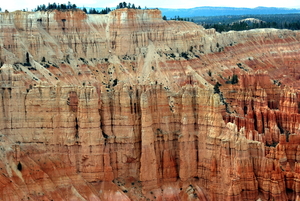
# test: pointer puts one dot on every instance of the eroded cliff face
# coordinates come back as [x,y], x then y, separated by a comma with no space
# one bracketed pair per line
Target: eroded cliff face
[127,106]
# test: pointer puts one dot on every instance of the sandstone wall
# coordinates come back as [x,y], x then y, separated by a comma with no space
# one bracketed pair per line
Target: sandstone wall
[125,106]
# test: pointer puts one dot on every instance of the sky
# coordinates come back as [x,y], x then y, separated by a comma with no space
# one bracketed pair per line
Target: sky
[12,5]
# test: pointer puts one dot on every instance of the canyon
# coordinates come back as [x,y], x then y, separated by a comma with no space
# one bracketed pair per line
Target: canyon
[128,106]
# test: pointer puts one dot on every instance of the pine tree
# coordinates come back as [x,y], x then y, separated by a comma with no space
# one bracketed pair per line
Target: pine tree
[19,166]
[216,88]
[69,6]
[234,79]
[27,58]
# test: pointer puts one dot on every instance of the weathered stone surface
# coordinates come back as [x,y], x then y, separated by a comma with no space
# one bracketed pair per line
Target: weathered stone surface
[126,106]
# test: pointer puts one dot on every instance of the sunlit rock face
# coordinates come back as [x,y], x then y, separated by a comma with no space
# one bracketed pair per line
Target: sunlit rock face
[127,106]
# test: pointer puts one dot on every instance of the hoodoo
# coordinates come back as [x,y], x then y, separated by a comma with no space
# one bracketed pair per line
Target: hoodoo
[128,106]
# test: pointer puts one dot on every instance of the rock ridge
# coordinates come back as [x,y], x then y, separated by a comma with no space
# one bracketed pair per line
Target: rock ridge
[127,106]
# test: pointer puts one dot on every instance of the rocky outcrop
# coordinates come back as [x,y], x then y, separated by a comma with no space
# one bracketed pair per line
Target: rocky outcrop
[127,106]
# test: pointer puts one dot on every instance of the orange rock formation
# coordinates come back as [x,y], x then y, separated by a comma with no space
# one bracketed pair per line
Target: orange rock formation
[127,106]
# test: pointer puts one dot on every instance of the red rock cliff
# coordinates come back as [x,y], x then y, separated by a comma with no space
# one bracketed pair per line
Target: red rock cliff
[127,106]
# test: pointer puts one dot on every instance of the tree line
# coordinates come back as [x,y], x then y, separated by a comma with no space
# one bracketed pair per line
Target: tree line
[237,23]
[178,18]
[108,10]
[57,6]
[127,5]
[240,26]
[70,6]
[95,11]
